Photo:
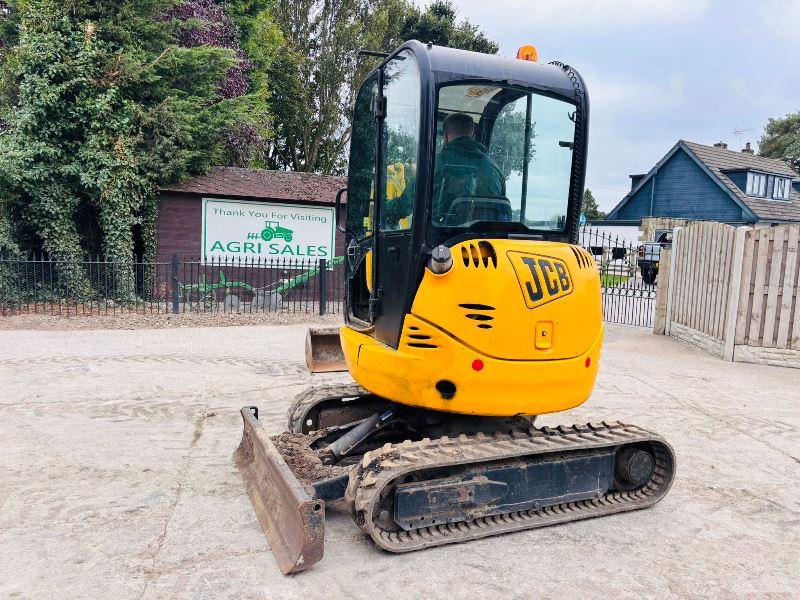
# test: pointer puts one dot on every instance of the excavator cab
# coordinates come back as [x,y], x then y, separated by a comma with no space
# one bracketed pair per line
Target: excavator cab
[515,171]
[469,312]
[459,160]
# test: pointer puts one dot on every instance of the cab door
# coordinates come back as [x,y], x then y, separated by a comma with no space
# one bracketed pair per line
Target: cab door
[394,273]
[360,228]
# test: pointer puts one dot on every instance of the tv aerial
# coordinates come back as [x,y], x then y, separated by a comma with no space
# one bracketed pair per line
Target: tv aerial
[738,132]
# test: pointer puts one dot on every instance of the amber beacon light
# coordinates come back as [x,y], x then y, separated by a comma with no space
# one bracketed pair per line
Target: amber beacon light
[528,53]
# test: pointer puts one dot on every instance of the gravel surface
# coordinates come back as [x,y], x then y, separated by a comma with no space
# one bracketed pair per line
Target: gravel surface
[117,478]
[162,321]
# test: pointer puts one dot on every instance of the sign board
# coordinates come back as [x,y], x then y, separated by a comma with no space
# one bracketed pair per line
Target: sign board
[235,229]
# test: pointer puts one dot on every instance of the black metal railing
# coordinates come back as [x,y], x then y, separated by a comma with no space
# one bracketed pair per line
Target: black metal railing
[98,286]
[46,285]
[627,298]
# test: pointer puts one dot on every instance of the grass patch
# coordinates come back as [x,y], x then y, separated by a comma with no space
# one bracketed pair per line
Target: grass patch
[608,280]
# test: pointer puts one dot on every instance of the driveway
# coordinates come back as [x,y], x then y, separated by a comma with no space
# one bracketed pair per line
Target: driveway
[117,478]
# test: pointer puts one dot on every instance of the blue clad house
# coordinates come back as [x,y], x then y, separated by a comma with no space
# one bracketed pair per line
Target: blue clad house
[712,183]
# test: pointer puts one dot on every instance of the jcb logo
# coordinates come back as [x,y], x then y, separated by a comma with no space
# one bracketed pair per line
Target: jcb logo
[542,278]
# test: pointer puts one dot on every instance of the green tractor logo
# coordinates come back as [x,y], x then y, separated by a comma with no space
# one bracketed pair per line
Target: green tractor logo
[273,230]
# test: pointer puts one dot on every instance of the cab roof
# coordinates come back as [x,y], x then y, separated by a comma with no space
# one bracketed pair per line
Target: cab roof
[450,64]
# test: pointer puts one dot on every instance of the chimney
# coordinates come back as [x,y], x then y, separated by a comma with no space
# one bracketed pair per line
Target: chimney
[721,145]
[747,149]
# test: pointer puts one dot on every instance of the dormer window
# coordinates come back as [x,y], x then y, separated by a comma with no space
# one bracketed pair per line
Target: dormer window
[756,185]
[782,188]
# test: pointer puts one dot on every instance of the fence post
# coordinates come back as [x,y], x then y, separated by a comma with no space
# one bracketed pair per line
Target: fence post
[734,291]
[175,290]
[673,269]
[323,286]
[662,291]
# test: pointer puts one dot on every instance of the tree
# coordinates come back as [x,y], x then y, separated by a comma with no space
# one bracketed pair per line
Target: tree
[246,14]
[590,207]
[314,76]
[508,140]
[207,23]
[109,106]
[781,140]
[437,24]
[102,102]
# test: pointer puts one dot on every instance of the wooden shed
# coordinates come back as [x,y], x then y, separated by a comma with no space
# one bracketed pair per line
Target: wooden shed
[181,223]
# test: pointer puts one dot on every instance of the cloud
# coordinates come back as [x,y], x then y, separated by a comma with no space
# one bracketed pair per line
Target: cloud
[620,13]
[780,17]
[659,70]
[583,14]
[634,122]
[767,99]
[622,94]
[614,154]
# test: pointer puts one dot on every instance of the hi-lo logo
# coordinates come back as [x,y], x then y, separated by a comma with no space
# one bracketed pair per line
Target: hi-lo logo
[542,278]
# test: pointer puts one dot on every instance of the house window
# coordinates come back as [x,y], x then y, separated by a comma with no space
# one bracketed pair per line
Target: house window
[781,189]
[756,184]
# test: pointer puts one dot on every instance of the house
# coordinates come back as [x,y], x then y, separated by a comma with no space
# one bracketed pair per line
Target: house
[712,183]
[234,213]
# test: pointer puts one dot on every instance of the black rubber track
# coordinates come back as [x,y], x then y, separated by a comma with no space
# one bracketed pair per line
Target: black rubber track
[312,396]
[380,469]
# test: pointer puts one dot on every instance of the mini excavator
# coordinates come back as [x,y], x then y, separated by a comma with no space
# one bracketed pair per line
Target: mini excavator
[470,310]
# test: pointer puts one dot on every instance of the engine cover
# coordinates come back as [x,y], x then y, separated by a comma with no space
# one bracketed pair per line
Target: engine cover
[515,300]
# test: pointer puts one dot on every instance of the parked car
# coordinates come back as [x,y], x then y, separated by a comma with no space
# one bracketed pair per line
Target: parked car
[649,254]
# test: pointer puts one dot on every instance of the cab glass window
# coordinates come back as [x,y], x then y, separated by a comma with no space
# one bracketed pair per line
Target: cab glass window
[503,154]
[361,176]
[401,89]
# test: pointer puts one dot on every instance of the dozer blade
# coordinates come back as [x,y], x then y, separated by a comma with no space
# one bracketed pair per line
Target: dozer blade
[324,350]
[292,520]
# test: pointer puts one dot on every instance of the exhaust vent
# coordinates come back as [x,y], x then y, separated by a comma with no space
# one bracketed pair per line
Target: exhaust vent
[583,258]
[479,317]
[589,258]
[478,255]
[477,306]
[478,312]
[420,337]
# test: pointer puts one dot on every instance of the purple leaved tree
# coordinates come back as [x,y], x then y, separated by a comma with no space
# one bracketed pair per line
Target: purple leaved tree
[244,145]
[207,24]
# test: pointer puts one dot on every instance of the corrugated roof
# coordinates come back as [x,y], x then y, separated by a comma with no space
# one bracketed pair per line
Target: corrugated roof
[262,184]
[720,160]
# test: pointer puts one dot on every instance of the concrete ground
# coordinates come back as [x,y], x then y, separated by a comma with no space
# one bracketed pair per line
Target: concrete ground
[117,478]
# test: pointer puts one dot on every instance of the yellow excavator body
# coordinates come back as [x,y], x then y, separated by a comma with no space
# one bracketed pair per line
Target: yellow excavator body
[522,315]
[469,310]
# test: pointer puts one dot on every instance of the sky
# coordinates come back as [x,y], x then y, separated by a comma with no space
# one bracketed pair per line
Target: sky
[660,71]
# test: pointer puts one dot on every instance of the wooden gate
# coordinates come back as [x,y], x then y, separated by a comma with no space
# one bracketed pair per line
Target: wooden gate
[700,266]
[768,314]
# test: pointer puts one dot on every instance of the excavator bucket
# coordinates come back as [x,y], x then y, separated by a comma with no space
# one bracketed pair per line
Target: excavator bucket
[324,350]
[292,520]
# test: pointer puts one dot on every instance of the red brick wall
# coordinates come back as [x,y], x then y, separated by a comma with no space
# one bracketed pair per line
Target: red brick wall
[179,224]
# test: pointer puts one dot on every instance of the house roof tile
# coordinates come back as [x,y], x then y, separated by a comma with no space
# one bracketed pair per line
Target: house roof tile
[262,184]
[720,160]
